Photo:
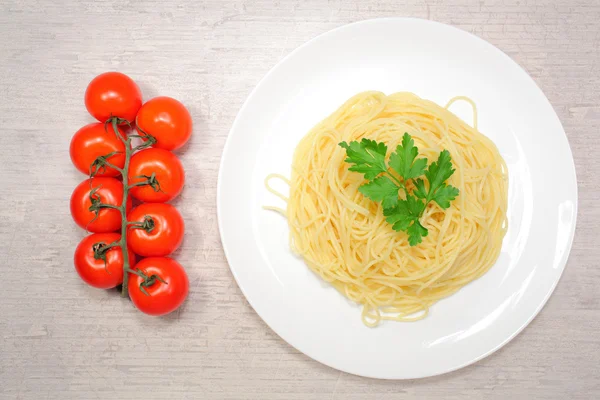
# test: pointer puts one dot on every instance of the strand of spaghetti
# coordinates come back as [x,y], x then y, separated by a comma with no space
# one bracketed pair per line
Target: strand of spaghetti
[270,189]
[468,100]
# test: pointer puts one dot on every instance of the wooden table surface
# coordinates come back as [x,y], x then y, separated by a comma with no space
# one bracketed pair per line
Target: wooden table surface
[60,339]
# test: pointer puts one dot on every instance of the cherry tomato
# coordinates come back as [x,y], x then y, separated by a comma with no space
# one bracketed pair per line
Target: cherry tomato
[161,230]
[113,94]
[160,298]
[93,141]
[102,268]
[167,120]
[107,191]
[168,173]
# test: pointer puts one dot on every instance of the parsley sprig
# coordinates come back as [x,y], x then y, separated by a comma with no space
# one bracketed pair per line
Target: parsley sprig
[386,180]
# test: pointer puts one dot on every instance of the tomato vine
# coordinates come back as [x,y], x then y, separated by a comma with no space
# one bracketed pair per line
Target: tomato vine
[100,164]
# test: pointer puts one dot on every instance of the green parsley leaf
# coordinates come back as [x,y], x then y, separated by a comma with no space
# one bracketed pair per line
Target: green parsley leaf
[405,209]
[416,232]
[381,189]
[403,159]
[420,190]
[367,157]
[415,206]
[397,216]
[405,217]
[444,195]
[439,171]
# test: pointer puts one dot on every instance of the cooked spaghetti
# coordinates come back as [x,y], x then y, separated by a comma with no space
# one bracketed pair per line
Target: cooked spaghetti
[344,237]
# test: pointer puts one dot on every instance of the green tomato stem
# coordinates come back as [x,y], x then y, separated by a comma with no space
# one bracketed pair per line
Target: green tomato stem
[123,208]
[148,223]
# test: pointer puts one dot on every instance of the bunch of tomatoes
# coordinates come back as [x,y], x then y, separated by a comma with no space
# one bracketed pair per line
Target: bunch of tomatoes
[127,157]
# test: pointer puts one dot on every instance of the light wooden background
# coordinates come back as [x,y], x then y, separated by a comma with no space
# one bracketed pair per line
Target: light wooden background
[60,339]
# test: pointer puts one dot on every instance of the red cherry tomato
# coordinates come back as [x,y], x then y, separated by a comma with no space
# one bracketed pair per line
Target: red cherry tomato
[97,266]
[113,94]
[160,298]
[109,191]
[167,120]
[93,141]
[161,230]
[168,180]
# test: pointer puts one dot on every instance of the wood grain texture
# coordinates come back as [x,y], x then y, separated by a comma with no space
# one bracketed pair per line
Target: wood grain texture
[60,339]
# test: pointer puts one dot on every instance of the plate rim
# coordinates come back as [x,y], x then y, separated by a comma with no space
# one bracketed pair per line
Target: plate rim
[235,124]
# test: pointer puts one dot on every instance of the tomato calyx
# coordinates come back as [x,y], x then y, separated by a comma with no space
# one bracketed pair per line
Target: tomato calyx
[100,164]
[97,203]
[114,122]
[149,181]
[147,280]
[100,249]
[148,139]
[147,224]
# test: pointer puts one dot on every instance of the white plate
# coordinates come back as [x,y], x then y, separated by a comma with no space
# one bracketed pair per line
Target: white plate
[436,62]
